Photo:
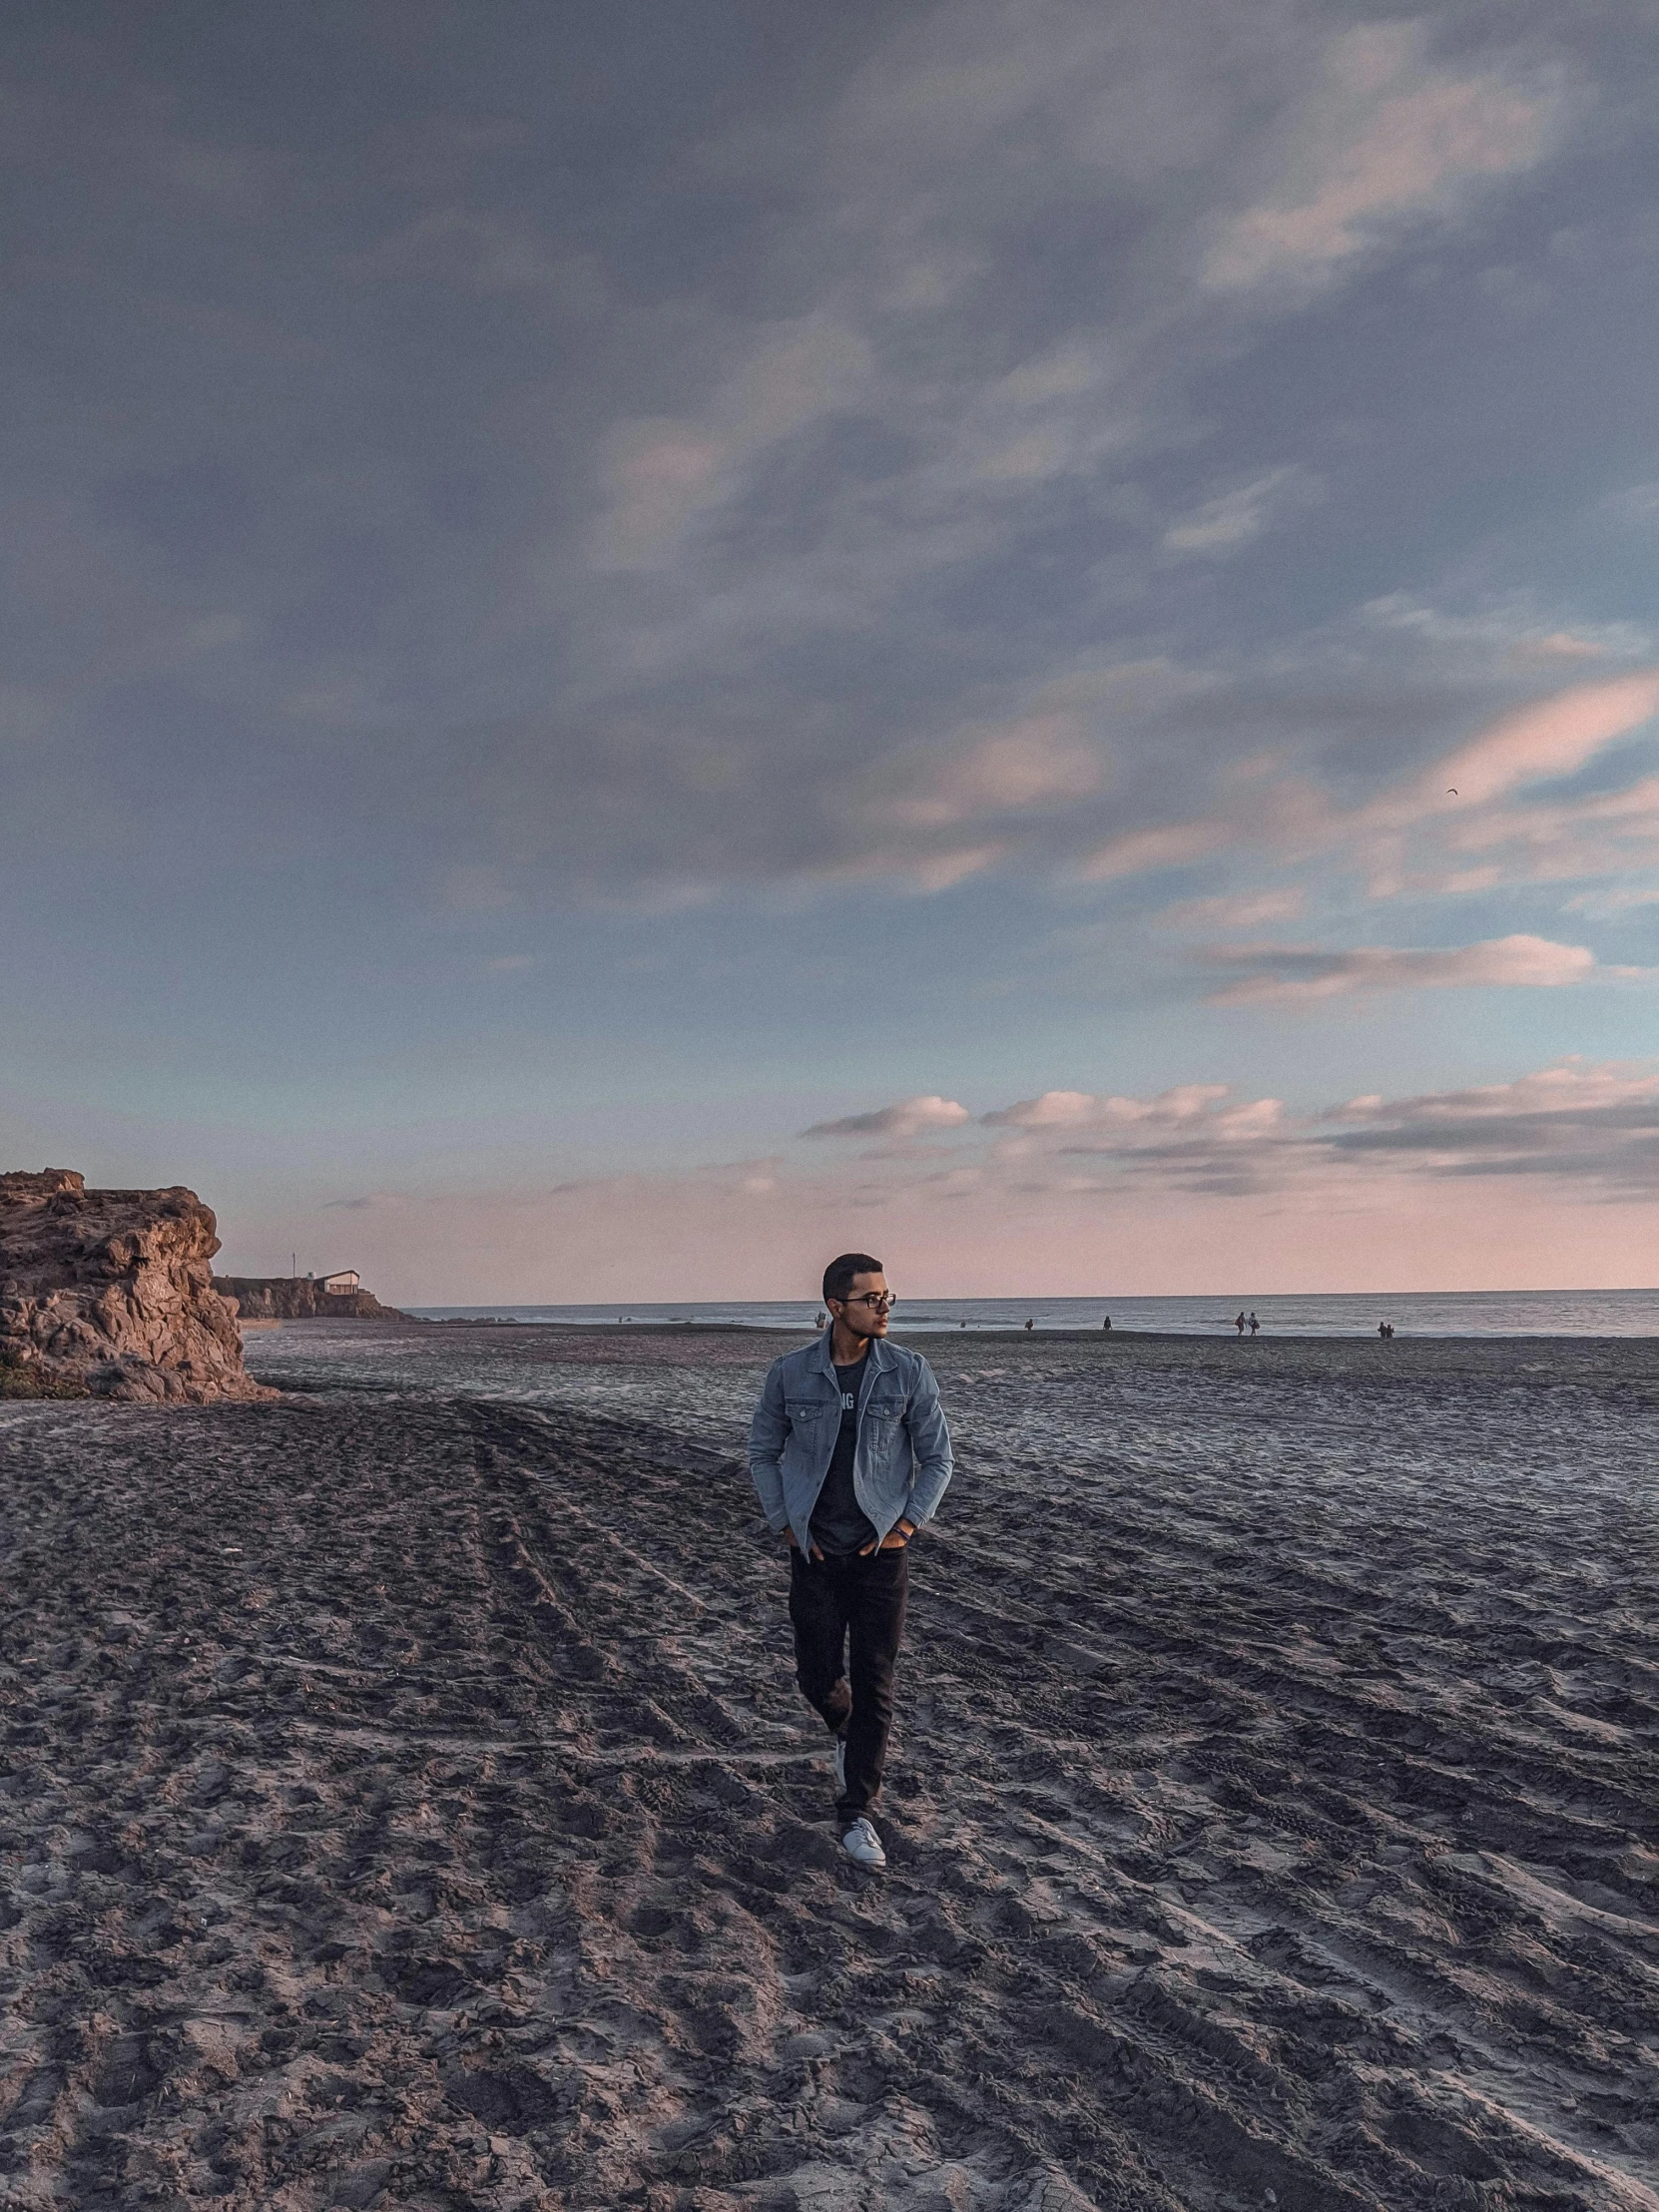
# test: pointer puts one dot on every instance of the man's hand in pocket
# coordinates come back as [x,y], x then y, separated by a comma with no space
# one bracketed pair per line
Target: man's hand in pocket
[894,1540]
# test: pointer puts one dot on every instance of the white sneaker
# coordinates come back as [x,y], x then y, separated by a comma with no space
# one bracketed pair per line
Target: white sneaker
[838,1762]
[861,1843]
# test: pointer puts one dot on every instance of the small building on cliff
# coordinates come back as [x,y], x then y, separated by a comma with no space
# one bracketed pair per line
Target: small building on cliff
[337,1297]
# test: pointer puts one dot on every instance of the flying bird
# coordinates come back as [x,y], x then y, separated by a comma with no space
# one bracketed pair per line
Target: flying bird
[1451,790]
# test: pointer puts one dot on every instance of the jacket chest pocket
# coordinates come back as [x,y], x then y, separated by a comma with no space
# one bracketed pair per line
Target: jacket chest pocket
[805,1413]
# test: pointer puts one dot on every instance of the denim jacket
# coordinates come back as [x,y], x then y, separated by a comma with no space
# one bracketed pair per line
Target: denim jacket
[902,1463]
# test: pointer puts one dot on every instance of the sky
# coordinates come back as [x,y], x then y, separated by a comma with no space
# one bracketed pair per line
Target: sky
[643,644]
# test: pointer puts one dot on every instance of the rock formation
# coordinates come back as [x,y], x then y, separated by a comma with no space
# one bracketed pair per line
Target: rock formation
[111,1292]
[298,1297]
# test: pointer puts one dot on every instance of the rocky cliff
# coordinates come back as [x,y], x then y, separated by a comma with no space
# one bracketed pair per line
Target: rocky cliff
[297,1298]
[111,1292]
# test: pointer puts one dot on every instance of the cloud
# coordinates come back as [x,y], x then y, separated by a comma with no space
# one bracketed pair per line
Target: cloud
[480,254]
[1070,1192]
[825,465]
[1293,974]
[1082,1110]
[932,872]
[1140,852]
[1561,645]
[863,485]
[1603,833]
[1053,1110]
[657,476]
[1481,802]
[1550,739]
[661,476]
[1591,1124]
[1507,627]
[1242,910]
[1503,629]
[1386,139]
[1477,803]
[756,793]
[775,572]
[1224,524]
[746,514]
[911,1117]
[1603,905]
[1577,1120]
[1041,761]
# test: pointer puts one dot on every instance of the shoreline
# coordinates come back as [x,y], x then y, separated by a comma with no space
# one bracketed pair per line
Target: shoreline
[977,1332]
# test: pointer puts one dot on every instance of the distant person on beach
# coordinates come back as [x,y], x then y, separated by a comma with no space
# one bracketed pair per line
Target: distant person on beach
[1107,1323]
[849,1456]
[1253,1323]
[1028,1325]
[1238,1321]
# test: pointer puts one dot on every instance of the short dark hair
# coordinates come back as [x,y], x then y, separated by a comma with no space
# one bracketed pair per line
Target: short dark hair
[837,1276]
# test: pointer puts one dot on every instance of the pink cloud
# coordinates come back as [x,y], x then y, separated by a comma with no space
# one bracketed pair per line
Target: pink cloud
[1081,1109]
[1138,852]
[1386,139]
[1559,644]
[911,1117]
[1243,911]
[1472,801]
[659,476]
[1553,737]
[1606,905]
[1290,975]
[1545,1181]
[917,868]
[1597,835]
[1041,760]
[1625,1092]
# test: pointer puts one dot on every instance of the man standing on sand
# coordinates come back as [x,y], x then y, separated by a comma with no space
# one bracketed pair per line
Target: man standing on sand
[849,1456]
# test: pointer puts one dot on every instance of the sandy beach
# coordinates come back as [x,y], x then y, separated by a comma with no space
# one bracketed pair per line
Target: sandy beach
[406,1802]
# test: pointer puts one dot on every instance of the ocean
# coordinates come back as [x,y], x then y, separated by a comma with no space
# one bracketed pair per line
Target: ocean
[1348,1313]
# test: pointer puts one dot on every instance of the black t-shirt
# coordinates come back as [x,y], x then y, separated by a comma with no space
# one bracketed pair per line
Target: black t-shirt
[840,1525]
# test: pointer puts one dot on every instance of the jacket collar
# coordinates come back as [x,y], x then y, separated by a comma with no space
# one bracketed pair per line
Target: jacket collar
[881,1353]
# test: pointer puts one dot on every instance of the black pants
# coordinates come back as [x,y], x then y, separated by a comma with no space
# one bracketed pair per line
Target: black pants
[859,1603]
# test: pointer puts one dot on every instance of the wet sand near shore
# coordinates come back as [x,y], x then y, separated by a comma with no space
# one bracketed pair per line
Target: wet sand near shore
[406,1804]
